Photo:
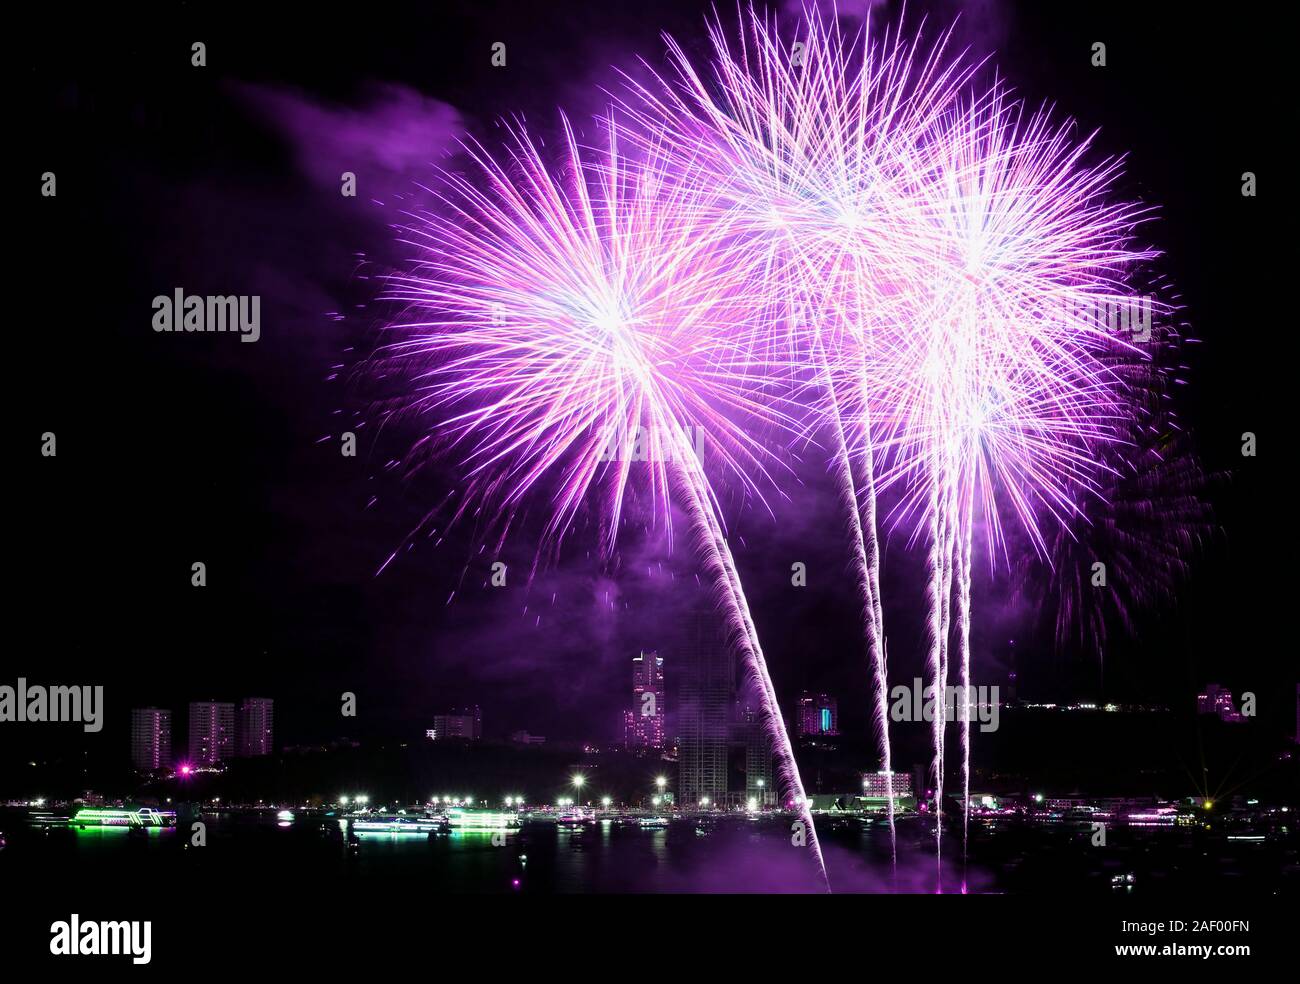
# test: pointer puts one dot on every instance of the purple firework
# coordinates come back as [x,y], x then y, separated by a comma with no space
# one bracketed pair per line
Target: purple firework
[567,335]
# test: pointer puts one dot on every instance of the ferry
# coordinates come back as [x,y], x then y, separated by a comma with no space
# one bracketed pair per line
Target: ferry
[462,818]
[143,817]
[397,825]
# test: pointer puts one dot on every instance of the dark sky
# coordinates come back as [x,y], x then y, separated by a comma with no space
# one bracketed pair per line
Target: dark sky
[177,448]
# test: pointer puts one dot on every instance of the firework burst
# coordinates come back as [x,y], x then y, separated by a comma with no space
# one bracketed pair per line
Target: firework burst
[568,335]
[796,147]
[996,401]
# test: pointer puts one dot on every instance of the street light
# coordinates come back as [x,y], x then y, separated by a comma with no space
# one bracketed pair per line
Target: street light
[579,780]
[606,802]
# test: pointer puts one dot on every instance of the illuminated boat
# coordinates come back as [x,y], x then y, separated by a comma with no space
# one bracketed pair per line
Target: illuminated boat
[460,818]
[1160,816]
[143,817]
[397,825]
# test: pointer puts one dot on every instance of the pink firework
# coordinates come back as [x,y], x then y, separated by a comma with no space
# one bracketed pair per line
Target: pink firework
[996,400]
[570,335]
[798,144]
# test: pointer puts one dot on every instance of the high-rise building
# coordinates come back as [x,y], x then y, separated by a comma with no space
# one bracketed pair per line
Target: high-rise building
[760,778]
[1218,701]
[256,727]
[151,738]
[705,696]
[462,722]
[212,732]
[819,714]
[876,785]
[644,720]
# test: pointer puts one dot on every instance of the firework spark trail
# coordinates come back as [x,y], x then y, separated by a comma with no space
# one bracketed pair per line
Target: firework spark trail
[949,538]
[555,321]
[860,509]
[713,544]
[938,592]
[934,588]
[869,530]
[866,566]
[963,629]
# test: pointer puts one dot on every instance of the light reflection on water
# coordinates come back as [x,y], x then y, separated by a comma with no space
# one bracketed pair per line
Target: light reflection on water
[548,857]
[723,855]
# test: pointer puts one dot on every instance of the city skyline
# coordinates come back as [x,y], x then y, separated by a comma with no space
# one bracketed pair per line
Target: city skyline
[217,732]
[151,732]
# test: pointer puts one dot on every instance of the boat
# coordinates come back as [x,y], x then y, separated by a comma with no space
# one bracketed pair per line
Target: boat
[460,818]
[143,817]
[397,825]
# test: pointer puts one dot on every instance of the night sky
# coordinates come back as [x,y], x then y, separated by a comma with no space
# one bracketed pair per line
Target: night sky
[181,448]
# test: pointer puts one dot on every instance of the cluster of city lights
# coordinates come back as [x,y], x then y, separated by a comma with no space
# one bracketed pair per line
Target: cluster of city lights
[449,800]
[516,800]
